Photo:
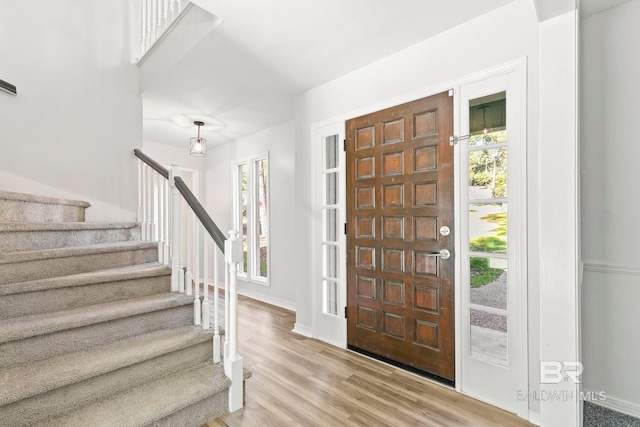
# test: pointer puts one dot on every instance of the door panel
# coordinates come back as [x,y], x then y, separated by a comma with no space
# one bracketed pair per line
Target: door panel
[400,192]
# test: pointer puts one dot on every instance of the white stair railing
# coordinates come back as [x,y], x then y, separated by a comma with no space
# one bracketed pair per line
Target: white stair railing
[156,18]
[161,196]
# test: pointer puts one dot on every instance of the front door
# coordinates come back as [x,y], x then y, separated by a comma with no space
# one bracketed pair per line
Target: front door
[400,288]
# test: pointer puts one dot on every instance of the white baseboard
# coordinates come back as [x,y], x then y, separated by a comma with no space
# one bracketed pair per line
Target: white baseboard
[287,305]
[534,417]
[303,330]
[619,405]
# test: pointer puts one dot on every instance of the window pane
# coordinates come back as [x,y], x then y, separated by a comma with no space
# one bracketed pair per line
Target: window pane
[262,219]
[488,174]
[330,296]
[331,152]
[488,277]
[330,225]
[488,227]
[243,205]
[331,189]
[489,343]
[488,120]
[330,261]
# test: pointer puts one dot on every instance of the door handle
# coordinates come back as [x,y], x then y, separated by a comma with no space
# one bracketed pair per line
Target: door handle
[444,254]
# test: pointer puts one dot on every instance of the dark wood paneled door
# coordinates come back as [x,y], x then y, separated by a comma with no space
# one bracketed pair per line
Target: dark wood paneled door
[399,194]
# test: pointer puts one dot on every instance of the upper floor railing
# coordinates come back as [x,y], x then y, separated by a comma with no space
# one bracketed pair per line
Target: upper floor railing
[157,16]
[171,215]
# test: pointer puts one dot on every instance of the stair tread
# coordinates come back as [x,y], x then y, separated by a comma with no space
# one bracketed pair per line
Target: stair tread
[14,257]
[64,226]
[32,198]
[45,323]
[24,381]
[93,277]
[149,402]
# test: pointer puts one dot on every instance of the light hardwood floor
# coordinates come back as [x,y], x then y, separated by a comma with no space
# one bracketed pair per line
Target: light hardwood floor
[299,381]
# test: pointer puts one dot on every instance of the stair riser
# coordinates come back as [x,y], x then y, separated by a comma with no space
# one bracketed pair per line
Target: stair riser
[22,211]
[51,300]
[18,241]
[53,267]
[41,347]
[56,402]
[198,413]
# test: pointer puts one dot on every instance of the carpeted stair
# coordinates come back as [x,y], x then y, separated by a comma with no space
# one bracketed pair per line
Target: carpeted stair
[90,334]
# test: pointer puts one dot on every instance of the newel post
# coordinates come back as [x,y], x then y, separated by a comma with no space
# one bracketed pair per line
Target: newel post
[233,363]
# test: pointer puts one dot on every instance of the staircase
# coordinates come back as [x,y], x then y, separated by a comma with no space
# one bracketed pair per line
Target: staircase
[90,333]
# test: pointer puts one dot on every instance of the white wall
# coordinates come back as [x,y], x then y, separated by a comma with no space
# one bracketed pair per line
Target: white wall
[170,155]
[77,117]
[610,204]
[279,141]
[503,35]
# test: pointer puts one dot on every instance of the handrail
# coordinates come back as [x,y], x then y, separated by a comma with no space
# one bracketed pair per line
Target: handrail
[208,223]
[152,163]
[178,234]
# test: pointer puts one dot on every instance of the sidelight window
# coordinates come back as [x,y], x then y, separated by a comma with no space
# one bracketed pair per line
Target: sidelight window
[330,225]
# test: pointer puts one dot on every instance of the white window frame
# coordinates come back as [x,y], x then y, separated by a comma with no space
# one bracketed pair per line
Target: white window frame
[252,274]
[331,328]
[512,79]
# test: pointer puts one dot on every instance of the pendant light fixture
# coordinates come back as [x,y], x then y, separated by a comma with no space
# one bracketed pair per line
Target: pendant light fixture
[198,145]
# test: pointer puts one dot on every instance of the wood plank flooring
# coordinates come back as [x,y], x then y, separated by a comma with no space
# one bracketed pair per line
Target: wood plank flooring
[299,381]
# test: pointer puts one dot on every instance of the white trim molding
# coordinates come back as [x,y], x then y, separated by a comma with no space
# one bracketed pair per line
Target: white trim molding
[534,417]
[303,330]
[619,405]
[287,305]
[611,269]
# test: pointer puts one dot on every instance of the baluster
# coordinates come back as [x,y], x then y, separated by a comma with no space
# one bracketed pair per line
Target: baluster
[140,194]
[206,321]
[154,20]
[226,306]
[175,235]
[158,20]
[197,313]
[142,28]
[153,180]
[182,238]
[216,321]
[165,215]
[145,203]
[163,19]
[189,248]
[160,222]
[149,185]
[149,24]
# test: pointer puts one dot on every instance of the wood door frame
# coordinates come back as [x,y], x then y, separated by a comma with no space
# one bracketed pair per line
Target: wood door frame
[518,66]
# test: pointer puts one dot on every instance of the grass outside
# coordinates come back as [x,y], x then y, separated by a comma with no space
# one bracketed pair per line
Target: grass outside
[481,272]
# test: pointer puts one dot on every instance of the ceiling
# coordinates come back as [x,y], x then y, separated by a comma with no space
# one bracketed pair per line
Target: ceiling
[243,76]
